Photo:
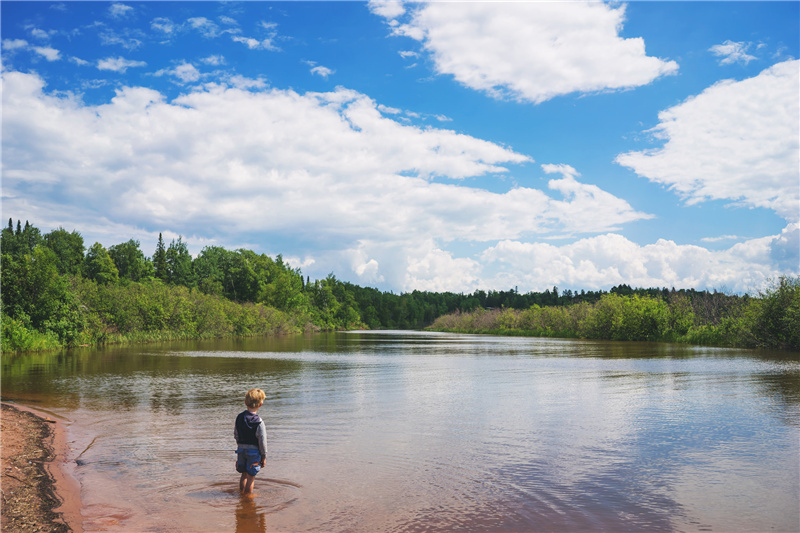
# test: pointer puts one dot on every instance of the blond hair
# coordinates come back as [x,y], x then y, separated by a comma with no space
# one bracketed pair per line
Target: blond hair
[254,398]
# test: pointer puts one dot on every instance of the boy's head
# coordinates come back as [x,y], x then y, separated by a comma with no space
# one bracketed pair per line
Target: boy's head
[254,398]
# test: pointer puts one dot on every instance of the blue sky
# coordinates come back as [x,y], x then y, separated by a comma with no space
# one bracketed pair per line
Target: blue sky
[445,146]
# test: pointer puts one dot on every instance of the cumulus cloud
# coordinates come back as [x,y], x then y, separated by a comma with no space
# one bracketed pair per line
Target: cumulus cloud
[732,52]
[736,141]
[321,167]
[529,51]
[603,261]
[118,64]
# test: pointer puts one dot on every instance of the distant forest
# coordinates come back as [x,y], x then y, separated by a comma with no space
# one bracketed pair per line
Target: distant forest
[57,293]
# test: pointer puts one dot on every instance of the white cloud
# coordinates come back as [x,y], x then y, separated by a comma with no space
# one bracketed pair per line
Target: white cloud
[603,261]
[784,250]
[185,72]
[207,28]
[118,64]
[322,167]
[213,60]
[737,141]
[129,39]
[241,82]
[49,53]
[255,44]
[119,10]
[14,44]
[530,51]
[322,71]
[39,33]
[261,44]
[163,25]
[389,9]
[732,52]
[720,238]
[585,204]
[389,110]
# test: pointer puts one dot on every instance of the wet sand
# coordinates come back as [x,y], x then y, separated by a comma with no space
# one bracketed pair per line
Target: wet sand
[38,493]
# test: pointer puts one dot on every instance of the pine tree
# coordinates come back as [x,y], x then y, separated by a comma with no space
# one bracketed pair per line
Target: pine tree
[160,260]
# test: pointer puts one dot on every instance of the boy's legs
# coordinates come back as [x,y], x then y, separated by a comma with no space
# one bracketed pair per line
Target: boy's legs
[248,463]
[246,484]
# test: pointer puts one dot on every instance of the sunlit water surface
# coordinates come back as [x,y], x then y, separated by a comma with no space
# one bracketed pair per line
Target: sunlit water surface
[399,431]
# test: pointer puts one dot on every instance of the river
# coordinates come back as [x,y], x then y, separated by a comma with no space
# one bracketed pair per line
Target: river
[412,431]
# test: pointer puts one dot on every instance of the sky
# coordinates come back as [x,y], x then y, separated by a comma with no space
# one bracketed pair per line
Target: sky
[439,146]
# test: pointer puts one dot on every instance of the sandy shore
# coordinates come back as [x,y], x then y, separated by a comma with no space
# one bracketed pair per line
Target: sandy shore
[37,493]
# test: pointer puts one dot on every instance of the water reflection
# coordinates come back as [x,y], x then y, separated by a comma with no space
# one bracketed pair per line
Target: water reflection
[250,518]
[409,432]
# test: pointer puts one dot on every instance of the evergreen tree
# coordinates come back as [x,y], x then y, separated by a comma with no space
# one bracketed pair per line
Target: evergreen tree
[160,260]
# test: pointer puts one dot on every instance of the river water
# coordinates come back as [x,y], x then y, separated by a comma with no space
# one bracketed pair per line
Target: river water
[410,431]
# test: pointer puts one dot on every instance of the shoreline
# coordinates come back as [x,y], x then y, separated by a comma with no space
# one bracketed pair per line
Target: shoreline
[39,492]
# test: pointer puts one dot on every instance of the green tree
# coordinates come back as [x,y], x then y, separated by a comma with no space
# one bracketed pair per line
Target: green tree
[20,241]
[99,266]
[160,260]
[68,248]
[209,269]
[130,261]
[37,297]
[31,236]
[776,320]
[179,264]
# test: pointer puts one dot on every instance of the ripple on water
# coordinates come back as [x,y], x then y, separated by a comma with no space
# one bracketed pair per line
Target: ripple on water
[271,495]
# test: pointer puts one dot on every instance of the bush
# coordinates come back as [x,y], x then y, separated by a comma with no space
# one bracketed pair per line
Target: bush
[777,320]
[17,337]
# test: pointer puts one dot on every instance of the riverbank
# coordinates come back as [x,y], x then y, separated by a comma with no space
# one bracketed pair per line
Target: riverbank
[37,495]
[771,321]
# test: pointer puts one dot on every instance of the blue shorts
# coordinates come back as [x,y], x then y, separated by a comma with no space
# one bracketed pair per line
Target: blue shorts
[248,461]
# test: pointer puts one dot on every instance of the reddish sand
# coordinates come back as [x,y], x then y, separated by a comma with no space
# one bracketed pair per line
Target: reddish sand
[32,499]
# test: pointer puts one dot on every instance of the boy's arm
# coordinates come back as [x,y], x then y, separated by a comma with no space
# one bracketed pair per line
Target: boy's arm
[261,436]
[236,433]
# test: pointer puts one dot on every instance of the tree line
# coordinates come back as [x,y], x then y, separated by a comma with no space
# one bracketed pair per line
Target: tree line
[771,320]
[57,292]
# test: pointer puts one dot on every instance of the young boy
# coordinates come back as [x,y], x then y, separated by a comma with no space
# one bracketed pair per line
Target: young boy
[250,433]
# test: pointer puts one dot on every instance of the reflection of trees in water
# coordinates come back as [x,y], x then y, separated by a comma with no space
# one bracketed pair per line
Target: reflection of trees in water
[783,388]
[250,518]
[77,375]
